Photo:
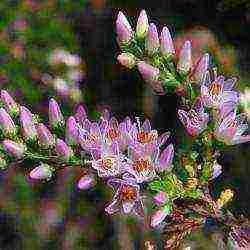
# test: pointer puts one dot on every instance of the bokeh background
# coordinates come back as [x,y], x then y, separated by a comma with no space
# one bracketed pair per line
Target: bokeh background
[55,214]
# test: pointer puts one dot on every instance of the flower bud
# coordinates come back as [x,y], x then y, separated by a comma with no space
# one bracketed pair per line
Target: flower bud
[15,149]
[6,123]
[27,123]
[142,25]
[42,172]
[148,72]
[45,138]
[86,182]
[10,105]
[81,114]
[201,69]
[123,29]
[160,198]
[72,132]
[167,45]
[152,41]
[127,59]
[63,150]
[55,115]
[159,217]
[185,58]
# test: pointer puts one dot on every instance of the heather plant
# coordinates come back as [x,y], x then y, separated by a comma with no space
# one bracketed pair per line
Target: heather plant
[165,186]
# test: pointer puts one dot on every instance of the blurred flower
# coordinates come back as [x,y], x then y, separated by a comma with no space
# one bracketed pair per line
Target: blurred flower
[166,41]
[152,40]
[231,128]
[185,58]
[7,125]
[87,181]
[123,29]
[42,172]
[158,217]
[127,59]
[126,198]
[61,86]
[15,149]
[142,25]
[195,120]
[160,198]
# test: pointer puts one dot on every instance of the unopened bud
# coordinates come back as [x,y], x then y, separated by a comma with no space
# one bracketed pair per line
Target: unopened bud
[148,72]
[7,124]
[201,69]
[127,59]
[15,149]
[166,41]
[72,131]
[123,28]
[86,182]
[55,115]
[10,105]
[81,114]
[142,25]
[42,172]
[185,58]
[63,150]
[152,42]
[45,138]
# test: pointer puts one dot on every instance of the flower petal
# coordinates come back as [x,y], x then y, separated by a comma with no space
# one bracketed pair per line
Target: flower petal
[166,158]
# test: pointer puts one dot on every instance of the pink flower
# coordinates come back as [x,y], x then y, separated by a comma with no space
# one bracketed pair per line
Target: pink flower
[63,150]
[15,149]
[123,29]
[43,171]
[152,40]
[10,105]
[231,128]
[55,115]
[126,198]
[72,131]
[6,123]
[158,217]
[201,68]
[142,25]
[166,41]
[87,181]
[185,58]
[195,121]
[160,198]
[45,138]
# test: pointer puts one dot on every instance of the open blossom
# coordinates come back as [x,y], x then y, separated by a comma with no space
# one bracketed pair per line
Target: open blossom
[219,92]
[195,120]
[126,199]
[143,166]
[231,128]
[107,160]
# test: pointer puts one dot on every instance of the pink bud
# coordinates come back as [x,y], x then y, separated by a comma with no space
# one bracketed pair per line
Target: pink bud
[142,25]
[148,72]
[6,123]
[167,46]
[158,217]
[27,123]
[72,132]
[123,28]
[10,105]
[86,182]
[127,59]
[43,171]
[160,198]
[81,114]
[152,42]
[15,149]
[45,138]
[185,58]
[63,150]
[55,114]
[201,68]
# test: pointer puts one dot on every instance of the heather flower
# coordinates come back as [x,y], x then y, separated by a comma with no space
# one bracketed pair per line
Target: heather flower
[27,123]
[55,115]
[10,105]
[15,149]
[107,160]
[143,166]
[195,121]
[123,29]
[158,217]
[63,150]
[87,181]
[6,123]
[127,59]
[72,131]
[231,128]
[201,69]
[218,92]
[166,43]
[45,138]
[160,198]
[42,172]
[142,25]
[185,58]
[126,198]
[151,75]
[152,40]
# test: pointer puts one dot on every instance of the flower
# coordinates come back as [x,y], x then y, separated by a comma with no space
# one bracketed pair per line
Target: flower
[217,170]
[126,198]
[6,123]
[45,138]
[240,237]
[43,171]
[143,165]
[10,105]
[72,131]
[142,25]
[159,216]
[63,150]
[160,198]
[123,29]
[15,149]
[107,160]
[166,43]
[55,115]
[87,181]
[152,40]
[245,101]
[127,59]
[231,128]
[201,68]
[218,92]
[185,58]
[195,120]
[81,114]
